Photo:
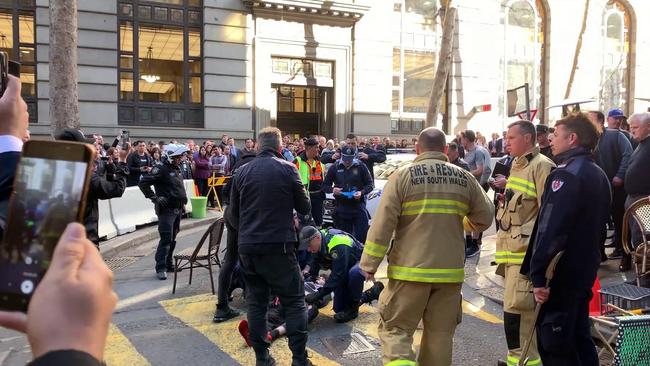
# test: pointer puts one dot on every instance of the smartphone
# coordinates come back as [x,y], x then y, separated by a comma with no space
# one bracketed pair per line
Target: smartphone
[49,192]
[125,137]
[7,67]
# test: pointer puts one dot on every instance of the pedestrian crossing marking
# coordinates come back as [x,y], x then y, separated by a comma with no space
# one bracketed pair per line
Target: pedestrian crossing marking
[120,351]
[197,312]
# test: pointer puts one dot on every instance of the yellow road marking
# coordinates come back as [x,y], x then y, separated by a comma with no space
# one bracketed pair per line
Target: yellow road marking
[197,312]
[475,311]
[120,352]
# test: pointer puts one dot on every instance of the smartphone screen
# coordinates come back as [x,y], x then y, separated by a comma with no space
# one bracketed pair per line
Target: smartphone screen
[49,192]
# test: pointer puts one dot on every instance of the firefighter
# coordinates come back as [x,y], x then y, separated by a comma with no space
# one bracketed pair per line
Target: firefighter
[311,173]
[169,200]
[576,187]
[426,204]
[339,251]
[516,214]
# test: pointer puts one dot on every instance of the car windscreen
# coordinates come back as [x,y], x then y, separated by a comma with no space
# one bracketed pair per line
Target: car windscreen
[384,170]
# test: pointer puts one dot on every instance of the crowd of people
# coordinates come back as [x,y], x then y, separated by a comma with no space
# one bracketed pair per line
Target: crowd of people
[556,189]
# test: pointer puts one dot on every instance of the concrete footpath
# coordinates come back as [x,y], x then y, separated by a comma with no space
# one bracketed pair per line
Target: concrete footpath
[480,274]
[110,248]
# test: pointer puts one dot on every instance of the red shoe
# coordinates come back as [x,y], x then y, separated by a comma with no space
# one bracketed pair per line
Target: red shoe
[243,330]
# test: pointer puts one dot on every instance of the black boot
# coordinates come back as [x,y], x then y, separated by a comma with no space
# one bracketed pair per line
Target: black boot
[224,313]
[268,361]
[347,315]
[626,263]
[471,248]
[372,293]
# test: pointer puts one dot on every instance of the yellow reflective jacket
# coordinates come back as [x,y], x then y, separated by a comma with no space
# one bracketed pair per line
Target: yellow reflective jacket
[517,216]
[424,204]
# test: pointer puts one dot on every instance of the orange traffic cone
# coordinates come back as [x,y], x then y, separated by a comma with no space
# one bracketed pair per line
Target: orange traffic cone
[594,304]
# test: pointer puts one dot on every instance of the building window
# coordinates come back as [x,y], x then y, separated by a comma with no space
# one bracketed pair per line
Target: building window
[415,48]
[615,74]
[524,60]
[160,62]
[298,99]
[17,40]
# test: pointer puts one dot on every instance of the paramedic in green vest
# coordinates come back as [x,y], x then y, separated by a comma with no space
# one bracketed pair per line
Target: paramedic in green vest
[312,172]
[339,252]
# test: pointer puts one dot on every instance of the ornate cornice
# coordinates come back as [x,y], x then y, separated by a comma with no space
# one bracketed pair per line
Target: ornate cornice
[339,12]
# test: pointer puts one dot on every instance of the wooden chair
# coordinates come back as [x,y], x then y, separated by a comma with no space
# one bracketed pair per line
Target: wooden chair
[201,256]
[639,211]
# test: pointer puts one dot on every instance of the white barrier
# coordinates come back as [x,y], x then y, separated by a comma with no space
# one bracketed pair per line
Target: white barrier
[119,216]
[106,226]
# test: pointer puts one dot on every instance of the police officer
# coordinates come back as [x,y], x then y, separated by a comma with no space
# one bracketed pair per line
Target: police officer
[169,200]
[366,154]
[575,209]
[518,208]
[311,172]
[223,310]
[352,182]
[424,205]
[339,251]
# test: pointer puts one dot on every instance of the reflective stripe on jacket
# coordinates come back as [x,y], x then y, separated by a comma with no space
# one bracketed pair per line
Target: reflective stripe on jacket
[517,216]
[422,209]
[308,172]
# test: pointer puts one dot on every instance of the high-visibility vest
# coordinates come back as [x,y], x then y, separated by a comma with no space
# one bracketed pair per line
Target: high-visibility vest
[309,172]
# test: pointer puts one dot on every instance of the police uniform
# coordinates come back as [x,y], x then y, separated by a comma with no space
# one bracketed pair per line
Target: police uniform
[169,200]
[574,211]
[423,207]
[350,214]
[311,175]
[340,253]
[516,219]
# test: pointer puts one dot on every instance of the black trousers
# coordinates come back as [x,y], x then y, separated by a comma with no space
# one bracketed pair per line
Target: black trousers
[169,221]
[277,274]
[563,330]
[202,185]
[317,199]
[617,212]
[228,265]
[353,221]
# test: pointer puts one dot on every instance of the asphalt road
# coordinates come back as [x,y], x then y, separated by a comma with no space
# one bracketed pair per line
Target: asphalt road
[152,326]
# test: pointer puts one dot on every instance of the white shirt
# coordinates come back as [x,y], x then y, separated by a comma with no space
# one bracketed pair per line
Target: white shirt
[10,143]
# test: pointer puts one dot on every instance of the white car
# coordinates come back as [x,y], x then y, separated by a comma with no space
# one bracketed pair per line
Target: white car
[382,173]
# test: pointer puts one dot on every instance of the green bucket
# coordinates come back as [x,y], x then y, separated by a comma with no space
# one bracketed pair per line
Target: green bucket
[199,207]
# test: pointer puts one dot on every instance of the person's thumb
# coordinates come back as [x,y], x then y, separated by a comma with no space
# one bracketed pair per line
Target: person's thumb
[70,251]
[13,87]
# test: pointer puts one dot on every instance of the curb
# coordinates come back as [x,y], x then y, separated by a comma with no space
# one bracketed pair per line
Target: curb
[113,247]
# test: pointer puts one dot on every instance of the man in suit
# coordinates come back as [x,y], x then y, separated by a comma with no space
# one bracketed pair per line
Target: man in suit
[496,146]
[14,121]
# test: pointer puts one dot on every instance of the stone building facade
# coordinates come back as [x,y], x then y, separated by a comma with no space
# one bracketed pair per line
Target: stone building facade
[200,68]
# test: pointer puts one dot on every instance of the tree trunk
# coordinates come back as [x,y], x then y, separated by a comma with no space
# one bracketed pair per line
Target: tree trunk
[444,64]
[64,103]
[576,55]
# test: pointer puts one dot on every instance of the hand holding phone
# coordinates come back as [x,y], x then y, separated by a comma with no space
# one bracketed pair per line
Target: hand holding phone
[13,110]
[75,300]
[49,192]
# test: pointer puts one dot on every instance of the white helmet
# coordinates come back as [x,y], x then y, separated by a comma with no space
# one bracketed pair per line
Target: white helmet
[173,150]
